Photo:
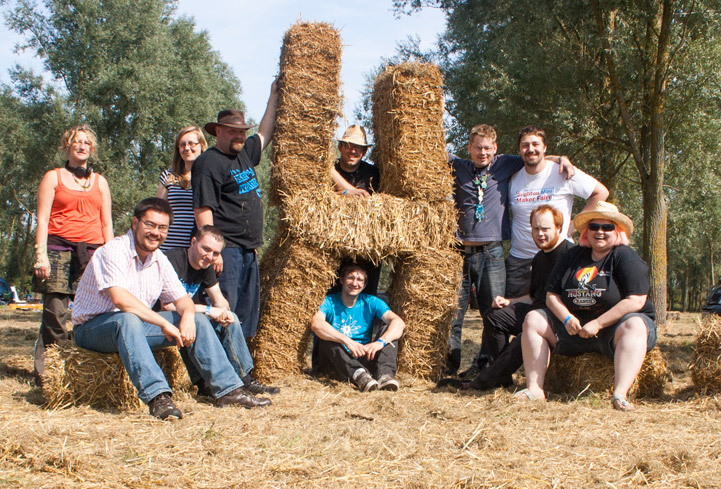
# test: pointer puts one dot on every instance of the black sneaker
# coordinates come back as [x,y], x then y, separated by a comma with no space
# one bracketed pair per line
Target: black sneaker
[255,387]
[364,381]
[387,383]
[470,373]
[203,389]
[162,407]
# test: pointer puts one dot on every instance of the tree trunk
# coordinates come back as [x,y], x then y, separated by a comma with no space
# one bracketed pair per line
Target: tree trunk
[684,297]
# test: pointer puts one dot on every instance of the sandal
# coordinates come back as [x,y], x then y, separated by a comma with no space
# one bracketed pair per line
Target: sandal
[620,403]
[530,396]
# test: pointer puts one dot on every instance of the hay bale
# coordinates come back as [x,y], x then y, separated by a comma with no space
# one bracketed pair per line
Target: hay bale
[294,279]
[424,294]
[410,147]
[308,106]
[75,376]
[594,371]
[706,361]
[375,228]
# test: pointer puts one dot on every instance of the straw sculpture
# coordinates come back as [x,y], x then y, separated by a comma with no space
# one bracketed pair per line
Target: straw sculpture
[74,376]
[706,363]
[410,223]
[594,372]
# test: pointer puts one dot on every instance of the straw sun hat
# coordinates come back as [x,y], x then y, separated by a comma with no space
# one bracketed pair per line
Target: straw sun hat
[604,210]
[355,134]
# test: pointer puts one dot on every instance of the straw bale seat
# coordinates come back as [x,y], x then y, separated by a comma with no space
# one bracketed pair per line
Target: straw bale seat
[594,372]
[409,223]
[75,376]
[706,362]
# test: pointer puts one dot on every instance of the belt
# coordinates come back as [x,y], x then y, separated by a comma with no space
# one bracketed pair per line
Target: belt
[466,249]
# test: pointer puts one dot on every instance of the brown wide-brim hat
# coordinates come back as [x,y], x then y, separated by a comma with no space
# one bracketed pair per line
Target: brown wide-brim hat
[355,134]
[604,210]
[228,118]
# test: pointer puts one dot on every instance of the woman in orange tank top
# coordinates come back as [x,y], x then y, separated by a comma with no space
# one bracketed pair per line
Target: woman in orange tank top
[74,218]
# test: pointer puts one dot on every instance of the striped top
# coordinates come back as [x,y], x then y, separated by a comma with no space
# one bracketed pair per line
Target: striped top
[117,264]
[181,201]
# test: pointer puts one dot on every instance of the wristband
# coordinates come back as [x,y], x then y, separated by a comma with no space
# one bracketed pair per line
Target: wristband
[382,341]
[207,309]
[345,191]
[566,320]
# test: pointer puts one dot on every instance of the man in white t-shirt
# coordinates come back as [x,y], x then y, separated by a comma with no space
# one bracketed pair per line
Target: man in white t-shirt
[540,183]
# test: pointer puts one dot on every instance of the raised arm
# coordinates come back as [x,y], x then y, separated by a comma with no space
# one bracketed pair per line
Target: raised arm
[267,123]
[599,194]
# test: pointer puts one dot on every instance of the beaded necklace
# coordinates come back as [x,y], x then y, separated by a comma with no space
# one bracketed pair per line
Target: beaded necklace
[480,183]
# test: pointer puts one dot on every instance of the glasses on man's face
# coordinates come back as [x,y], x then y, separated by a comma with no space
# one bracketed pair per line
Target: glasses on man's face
[163,228]
[607,228]
[189,144]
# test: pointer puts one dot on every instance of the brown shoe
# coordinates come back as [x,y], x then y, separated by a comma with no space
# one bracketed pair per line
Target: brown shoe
[162,407]
[242,398]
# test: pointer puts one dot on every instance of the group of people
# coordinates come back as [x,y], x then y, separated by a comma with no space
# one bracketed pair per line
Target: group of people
[186,272]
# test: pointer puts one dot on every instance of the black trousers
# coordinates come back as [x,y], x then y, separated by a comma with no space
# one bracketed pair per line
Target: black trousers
[336,361]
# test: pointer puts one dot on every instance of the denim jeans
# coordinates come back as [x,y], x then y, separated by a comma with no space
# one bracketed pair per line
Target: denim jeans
[133,339]
[485,269]
[240,284]
[236,349]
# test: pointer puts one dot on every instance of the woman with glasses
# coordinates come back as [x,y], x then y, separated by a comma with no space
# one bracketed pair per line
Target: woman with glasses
[174,186]
[73,220]
[597,301]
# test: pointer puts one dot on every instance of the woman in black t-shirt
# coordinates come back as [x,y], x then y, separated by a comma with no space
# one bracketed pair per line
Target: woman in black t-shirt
[597,301]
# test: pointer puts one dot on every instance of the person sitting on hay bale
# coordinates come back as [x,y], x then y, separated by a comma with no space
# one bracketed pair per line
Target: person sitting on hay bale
[480,190]
[112,314]
[344,326]
[505,318]
[194,268]
[597,301]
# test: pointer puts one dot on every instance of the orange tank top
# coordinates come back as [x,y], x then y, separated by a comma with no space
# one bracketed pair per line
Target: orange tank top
[75,214]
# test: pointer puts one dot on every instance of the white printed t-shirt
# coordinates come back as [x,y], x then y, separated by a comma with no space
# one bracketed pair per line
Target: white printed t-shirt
[548,187]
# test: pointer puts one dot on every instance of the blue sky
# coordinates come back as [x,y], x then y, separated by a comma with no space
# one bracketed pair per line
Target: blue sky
[248,36]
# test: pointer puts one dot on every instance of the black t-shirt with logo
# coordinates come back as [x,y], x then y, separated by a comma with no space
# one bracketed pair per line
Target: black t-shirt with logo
[541,269]
[589,288]
[228,185]
[366,176]
[193,280]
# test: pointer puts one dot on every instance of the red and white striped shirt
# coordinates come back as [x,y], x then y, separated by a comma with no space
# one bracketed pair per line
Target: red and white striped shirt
[117,264]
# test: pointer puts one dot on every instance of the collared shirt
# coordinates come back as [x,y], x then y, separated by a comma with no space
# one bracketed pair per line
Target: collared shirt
[117,264]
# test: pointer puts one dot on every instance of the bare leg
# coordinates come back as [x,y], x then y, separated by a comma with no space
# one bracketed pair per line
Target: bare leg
[630,343]
[537,341]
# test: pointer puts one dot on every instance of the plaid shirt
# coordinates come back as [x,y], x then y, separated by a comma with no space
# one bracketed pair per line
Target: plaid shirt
[117,265]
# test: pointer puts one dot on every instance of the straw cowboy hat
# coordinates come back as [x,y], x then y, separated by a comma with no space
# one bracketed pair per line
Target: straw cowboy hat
[229,118]
[355,134]
[604,210]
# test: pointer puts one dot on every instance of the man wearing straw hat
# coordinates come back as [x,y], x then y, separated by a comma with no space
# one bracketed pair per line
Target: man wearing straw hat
[539,183]
[344,326]
[226,194]
[481,197]
[112,314]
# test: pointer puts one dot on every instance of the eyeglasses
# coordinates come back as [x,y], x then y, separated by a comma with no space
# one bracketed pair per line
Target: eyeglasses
[163,228]
[189,144]
[607,228]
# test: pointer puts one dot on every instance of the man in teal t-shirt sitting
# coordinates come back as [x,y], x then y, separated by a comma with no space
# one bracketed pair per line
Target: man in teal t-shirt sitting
[344,326]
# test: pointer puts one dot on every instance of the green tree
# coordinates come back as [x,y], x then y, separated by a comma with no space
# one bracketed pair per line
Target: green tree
[613,83]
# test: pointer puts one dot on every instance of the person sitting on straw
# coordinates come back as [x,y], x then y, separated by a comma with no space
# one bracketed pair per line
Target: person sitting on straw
[112,314]
[597,301]
[194,268]
[344,326]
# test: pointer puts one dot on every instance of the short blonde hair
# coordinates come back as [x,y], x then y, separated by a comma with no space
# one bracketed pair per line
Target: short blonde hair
[69,136]
[483,131]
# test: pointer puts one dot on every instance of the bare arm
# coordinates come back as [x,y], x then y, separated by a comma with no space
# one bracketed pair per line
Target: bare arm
[564,164]
[599,194]
[216,297]
[162,191]
[46,195]
[203,216]
[267,123]
[127,302]
[342,186]
[554,303]
[106,214]
[394,331]
[501,302]
[325,331]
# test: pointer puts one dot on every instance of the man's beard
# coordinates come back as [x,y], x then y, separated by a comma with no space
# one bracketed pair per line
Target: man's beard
[550,244]
[236,146]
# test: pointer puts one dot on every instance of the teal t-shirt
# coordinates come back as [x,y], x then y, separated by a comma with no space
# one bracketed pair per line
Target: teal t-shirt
[355,322]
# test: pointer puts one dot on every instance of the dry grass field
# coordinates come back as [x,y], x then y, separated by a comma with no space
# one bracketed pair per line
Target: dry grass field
[324,434]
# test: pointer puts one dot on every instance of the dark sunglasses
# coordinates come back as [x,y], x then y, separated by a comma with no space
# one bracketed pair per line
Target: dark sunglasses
[594,226]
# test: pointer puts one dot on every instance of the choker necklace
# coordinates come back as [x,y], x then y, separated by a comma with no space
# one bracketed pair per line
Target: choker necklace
[79,171]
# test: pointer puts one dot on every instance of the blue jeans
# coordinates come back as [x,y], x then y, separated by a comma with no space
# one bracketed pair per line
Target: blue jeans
[240,284]
[236,349]
[483,267]
[133,339]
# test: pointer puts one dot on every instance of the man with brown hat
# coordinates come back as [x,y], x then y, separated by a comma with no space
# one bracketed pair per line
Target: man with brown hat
[226,194]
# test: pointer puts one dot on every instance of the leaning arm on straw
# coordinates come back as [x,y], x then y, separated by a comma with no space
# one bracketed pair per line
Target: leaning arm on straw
[342,186]
[267,123]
